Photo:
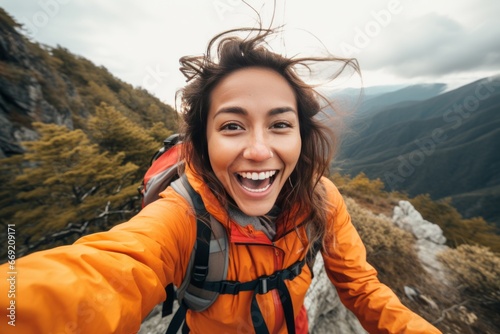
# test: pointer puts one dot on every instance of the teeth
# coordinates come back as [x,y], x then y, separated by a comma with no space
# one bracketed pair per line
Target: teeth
[257,190]
[257,176]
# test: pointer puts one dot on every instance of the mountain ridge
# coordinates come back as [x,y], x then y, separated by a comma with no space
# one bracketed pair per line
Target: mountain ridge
[406,95]
[445,145]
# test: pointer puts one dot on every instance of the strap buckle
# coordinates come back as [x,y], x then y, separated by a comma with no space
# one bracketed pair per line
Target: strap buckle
[268,283]
[200,273]
[229,287]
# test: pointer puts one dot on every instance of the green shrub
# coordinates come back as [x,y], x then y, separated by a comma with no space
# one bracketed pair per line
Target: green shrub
[475,270]
[389,249]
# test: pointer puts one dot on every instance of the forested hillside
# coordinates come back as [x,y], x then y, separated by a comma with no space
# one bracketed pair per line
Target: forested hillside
[446,146]
[74,142]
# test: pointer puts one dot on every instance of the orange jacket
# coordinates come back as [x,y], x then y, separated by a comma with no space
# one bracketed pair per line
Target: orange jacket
[108,282]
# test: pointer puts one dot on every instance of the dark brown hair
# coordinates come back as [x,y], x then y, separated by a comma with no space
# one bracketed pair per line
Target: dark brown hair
[226,53]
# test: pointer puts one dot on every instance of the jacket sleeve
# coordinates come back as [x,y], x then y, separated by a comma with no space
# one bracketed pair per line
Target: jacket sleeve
[376,306]
[105,282]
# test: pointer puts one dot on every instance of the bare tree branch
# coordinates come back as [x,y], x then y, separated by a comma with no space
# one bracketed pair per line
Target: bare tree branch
[445,311]
[72,229]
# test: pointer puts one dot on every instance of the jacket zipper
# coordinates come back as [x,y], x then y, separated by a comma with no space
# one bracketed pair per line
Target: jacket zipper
[247,233]
[278,263]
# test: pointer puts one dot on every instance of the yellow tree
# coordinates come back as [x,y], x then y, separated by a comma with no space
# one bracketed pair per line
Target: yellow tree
[159,132]
[117,134]
[65,187]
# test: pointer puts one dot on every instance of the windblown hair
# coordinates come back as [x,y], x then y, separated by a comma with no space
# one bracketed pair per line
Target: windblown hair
[319,142]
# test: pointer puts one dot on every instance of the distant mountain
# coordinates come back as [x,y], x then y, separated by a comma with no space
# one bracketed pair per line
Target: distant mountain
[406,95]
[374,98]
[370,91]
[446,146]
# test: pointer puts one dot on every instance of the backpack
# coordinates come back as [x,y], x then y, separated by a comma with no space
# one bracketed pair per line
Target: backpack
[163,169]
[205,276]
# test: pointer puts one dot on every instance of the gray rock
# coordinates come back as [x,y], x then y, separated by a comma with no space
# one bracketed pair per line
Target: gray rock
[430,240]
[406,217]
[326,313]
[23,99]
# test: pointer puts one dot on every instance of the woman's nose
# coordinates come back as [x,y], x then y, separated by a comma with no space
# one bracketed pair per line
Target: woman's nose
[257,151]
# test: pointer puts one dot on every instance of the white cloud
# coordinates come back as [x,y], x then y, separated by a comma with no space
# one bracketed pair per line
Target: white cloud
[141,42]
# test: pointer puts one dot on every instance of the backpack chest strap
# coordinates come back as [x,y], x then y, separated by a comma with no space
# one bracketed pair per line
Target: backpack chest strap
[262,285]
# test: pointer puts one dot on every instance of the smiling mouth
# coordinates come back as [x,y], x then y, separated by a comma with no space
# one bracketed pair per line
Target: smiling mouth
[256,182]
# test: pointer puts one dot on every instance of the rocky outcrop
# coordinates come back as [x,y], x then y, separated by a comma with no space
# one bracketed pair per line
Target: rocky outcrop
[327,315]
[25,82]
[430,240]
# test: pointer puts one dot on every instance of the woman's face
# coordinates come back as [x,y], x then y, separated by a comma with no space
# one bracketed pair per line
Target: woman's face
[253,136]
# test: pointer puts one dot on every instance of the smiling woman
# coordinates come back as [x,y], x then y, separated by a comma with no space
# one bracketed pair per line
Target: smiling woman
[256,155]
[253,137]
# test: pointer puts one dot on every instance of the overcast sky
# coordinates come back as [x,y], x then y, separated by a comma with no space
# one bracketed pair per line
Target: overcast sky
[396,42]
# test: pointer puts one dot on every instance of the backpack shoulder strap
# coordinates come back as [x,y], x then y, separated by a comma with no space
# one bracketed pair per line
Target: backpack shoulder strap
[210,254]
[209,258]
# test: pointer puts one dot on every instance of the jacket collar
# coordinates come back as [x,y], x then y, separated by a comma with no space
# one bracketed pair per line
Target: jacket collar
[212,204]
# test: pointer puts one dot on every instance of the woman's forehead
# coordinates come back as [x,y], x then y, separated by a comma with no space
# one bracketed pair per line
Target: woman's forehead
[253,86]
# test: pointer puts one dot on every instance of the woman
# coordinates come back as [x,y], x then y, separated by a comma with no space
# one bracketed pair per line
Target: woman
[256,154]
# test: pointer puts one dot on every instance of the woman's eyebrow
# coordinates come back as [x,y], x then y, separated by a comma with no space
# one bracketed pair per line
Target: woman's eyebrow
[231,110]
[280,110]
[242,111]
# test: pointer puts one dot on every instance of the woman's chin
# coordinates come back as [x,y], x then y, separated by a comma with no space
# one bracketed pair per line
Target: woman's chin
[259,208]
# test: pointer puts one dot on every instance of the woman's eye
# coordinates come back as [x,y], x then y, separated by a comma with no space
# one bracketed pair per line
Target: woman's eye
[231,127]
[281,125]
